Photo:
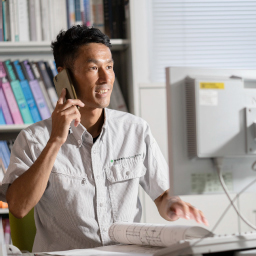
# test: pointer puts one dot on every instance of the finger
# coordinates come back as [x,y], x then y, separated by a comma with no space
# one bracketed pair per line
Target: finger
[181,209]
[71,102]
[62,96]
[204,220]
[195,214]
[69,111]
[75,117]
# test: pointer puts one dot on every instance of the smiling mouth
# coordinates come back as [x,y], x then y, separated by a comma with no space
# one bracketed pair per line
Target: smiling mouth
[102,91]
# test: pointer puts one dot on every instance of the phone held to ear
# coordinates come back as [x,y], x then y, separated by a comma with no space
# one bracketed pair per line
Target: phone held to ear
[63,80]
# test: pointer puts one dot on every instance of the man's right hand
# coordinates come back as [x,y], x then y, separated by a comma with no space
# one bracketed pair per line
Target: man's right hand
[62,116]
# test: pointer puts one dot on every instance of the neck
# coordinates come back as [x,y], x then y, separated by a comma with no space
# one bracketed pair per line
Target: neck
[92,120]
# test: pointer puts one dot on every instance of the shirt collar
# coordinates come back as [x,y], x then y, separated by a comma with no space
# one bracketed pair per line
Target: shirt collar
[80,129]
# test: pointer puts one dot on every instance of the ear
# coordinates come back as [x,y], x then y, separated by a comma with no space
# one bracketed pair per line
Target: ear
[59,69]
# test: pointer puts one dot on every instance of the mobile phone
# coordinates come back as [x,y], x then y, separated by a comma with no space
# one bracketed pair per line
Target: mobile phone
[63,80]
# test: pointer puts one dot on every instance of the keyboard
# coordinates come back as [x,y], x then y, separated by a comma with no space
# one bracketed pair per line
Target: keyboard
[217,243]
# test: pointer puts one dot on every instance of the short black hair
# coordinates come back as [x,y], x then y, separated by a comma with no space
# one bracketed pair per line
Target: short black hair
[67,43]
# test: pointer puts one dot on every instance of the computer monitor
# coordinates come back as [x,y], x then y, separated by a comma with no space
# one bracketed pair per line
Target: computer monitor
[211,113]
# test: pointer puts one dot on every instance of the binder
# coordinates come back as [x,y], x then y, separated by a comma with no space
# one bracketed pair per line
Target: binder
[41,84]
[4,107]
[27,92]
[2,120]
[36,90]
[8,93]
[48,83]
[18,94]
[6,152]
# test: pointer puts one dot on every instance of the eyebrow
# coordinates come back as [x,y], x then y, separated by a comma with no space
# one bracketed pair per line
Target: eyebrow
[97,61]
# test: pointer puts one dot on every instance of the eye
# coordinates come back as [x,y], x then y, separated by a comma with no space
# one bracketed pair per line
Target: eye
[109,67]
[94,68]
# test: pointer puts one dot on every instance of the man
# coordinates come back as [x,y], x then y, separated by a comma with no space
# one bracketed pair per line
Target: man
[81,169]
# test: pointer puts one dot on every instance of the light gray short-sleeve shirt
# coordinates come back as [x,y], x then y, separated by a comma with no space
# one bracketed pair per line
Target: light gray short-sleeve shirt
[91,184]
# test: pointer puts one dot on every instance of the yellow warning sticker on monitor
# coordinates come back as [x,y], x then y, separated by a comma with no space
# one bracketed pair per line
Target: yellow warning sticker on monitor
[211,85]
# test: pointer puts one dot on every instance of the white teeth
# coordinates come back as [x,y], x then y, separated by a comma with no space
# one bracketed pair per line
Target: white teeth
[102,91]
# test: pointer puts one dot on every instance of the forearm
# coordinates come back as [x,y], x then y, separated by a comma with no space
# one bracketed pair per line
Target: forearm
[26,191]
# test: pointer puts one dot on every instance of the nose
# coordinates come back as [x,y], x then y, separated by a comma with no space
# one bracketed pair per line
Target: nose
[103,75]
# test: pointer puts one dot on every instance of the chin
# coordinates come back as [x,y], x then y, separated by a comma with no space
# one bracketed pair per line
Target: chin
[104,104]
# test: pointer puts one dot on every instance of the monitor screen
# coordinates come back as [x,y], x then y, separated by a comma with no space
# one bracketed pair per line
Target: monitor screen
[211,113]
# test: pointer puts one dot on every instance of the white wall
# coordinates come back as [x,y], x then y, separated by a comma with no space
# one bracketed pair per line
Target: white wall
[149,102]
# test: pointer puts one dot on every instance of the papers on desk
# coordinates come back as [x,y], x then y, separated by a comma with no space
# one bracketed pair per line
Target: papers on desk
[105,250]
[196,246]
[155,234]
[140,239]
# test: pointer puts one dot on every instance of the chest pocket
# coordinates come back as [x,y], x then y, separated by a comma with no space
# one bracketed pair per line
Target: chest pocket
[122,172]
[123,188]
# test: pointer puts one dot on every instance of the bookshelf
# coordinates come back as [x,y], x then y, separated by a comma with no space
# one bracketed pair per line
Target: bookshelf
[4,211]
[7,48]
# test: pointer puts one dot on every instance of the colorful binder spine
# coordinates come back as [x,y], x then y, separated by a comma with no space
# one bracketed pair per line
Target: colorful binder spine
[6,152]
[27,92]
[12,104]
[18,94]
[36,90]
[48,83]
[4,107]
[2,120]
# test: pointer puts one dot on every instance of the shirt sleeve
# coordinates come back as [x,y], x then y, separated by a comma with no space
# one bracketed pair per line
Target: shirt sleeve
[156,179]
[20,161]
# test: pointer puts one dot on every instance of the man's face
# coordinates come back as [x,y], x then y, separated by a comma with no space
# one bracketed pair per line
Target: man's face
[93,75]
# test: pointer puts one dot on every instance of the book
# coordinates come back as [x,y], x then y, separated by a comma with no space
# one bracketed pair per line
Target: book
[44,4]
[4,18]
[18,93]
[23,21]
[51,16]
[8,93]
[82,11]
[78,18]
[71,13]
[36,90]
[2,168]
[47,82]
[5,152]
[59,17]
[52,66]
[1,23]
[38,21]
[88,13]
[2,120]
[27,92]
[41,84]
[98,14]
[108,18]
[16,21]
[4,106]
[12,20]
[32,20]
[8,25]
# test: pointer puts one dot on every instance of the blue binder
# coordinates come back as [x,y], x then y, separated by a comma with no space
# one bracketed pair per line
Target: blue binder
[27,92]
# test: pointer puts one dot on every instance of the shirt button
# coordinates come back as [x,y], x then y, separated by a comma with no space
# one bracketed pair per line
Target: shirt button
[94,151]
[101,204]
[79,141]
[128,173]
[104,230]
[98,177]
